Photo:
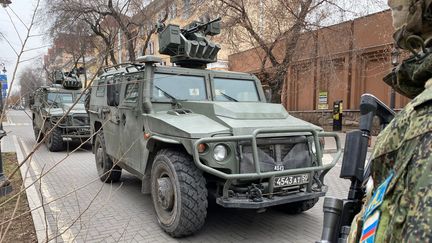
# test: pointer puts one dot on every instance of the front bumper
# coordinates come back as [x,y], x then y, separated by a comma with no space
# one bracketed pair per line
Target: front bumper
[269,202]
[271,197]
[258,174]
[75,132]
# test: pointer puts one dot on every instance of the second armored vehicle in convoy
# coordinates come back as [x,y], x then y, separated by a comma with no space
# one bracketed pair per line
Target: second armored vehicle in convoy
[189,133]
[49,105]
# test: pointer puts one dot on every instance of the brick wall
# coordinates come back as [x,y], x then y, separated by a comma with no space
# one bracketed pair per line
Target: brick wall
[344,60]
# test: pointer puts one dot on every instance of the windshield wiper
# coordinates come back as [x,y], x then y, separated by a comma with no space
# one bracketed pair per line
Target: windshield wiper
[228,97]
[173,99]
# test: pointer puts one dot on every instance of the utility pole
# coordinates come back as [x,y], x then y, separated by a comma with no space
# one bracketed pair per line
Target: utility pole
[5,186]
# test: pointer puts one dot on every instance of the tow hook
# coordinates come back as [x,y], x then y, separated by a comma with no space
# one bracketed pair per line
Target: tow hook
[255,193]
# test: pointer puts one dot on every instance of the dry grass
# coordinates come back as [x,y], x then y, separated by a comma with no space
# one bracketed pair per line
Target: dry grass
[22,228]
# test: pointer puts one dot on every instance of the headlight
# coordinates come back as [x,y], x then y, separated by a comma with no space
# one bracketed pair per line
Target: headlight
[220,152]
[321,144]
[313,148]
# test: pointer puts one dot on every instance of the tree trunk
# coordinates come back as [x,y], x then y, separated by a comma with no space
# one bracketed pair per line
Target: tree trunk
[130,45]
[112,56]
[275,79]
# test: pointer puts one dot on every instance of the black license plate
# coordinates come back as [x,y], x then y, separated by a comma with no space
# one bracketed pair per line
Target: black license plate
[292,180]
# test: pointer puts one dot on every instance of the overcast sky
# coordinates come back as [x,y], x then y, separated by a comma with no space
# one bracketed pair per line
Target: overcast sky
[24,9]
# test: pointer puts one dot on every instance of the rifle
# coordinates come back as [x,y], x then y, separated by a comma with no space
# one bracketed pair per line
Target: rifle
[339,213]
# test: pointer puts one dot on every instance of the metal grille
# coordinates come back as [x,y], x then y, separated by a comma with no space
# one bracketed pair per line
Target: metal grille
[80,121]
[276,154]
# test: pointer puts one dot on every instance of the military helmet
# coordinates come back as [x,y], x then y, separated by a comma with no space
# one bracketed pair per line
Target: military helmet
[411,18]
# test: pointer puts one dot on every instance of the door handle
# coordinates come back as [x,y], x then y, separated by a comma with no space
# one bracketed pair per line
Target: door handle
[123,119]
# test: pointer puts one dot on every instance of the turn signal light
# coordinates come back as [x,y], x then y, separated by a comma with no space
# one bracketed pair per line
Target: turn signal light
[147,135]
[202,147]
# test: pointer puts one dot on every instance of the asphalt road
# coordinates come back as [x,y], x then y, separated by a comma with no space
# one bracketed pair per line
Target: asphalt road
[81,208]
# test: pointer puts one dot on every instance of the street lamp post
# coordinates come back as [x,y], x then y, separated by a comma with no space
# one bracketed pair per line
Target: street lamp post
[395,61]
[5,186]
[5,3]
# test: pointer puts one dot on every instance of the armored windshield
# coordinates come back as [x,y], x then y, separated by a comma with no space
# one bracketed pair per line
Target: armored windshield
[60,98]
[235,89]
[63,98]
[178,86]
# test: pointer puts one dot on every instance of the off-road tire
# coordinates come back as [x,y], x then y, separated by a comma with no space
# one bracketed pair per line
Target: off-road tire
[189,197]
[54,140]
[104,165]
[297,207]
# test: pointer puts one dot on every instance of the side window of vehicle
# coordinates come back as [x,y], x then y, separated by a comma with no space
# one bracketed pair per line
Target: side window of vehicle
[131,93]
[113,91]
[100,90]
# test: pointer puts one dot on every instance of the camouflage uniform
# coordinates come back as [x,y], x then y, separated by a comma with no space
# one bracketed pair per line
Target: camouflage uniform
[404,147]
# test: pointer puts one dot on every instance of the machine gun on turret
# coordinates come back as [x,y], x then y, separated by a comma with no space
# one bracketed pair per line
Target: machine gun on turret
[69,80]
[189,46]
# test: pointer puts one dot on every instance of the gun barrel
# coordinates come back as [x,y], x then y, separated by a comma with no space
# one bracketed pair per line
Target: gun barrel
[199,26]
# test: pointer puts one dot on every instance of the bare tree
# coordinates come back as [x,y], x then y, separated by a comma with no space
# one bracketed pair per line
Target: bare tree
[274,29]
[108,19]
[90,19]
[31,78]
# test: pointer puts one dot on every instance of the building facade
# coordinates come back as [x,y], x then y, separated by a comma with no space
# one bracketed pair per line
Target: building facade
[339,62]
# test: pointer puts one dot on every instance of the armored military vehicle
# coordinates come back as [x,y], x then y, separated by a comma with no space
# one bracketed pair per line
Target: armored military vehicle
[49,104]
[190,133]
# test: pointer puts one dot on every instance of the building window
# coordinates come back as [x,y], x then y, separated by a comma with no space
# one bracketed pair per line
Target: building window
[173,11]
[161,15]
[141,31]
[204,18]
[186,9]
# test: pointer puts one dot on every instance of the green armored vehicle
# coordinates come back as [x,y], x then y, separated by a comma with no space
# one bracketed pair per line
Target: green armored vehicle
[49,104]
[193,134]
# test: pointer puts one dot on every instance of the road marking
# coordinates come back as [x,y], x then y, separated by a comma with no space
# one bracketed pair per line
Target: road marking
[67,236]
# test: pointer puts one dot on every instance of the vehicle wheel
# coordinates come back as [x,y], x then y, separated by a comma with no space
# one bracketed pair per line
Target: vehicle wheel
[54,141]
[106,170]
[179,193]
[297,207]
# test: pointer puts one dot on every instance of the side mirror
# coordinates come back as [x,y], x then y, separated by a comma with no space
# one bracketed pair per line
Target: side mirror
[113,93]
[267,93]
[31,100]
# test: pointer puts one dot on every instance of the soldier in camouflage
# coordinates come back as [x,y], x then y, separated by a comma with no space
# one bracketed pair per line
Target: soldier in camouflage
[400,207]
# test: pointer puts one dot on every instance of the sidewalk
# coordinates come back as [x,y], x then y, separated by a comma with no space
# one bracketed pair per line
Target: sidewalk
[330,143]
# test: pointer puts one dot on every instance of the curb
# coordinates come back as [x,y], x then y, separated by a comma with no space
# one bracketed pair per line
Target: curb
[33,199]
